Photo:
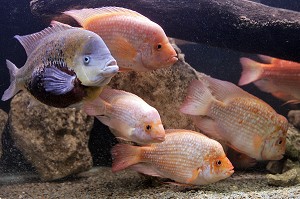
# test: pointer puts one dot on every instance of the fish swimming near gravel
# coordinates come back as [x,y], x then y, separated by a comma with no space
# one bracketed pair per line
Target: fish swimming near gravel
[185,156]
[279,77]
[128,115]
[226,112]
[135,41]
[64,66]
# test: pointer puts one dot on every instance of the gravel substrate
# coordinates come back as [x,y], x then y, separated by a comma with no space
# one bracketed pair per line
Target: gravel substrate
[100,182]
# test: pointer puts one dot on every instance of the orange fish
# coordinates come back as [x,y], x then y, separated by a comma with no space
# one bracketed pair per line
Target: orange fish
[276,76]
[129,116]
[136,42]
[185,156]
[247,124]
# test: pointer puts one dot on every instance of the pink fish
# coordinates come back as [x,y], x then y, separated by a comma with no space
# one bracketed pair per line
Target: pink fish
[136,42]
[276,76]
[130,117]
[185,156]
[249,125]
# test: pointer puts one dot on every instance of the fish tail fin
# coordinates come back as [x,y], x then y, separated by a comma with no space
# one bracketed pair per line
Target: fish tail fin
[125,155]
[198,99]
[13,88]
[252,71]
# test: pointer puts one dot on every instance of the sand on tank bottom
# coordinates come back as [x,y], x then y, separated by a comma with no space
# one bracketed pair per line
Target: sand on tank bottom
[100,182]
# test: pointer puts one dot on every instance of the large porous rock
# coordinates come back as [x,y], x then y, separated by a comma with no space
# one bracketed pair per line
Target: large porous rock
[293,143]
[54,141]
[294,118]
[3,120]
[164,89]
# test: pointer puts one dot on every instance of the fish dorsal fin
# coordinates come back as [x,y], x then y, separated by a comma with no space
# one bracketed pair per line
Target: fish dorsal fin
[223,90]
[30,42]
[81,16]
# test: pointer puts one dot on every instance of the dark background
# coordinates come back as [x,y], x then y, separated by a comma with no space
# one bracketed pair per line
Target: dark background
[16,19]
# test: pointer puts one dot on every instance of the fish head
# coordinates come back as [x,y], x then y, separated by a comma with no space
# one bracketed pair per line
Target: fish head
[157,52]
[218,166]
[275,143]
[93,63]
[149,128]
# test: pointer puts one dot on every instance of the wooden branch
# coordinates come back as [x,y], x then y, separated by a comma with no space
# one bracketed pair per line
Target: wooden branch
[234,24]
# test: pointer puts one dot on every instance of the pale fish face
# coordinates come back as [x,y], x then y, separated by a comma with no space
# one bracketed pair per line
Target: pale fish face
[217,169]
[149,129]
[158,52]
[94,65]
[274,146]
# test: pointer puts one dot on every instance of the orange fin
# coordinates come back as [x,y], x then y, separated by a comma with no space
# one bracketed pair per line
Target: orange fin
[198,99]
[83,15]
[124,156]
[124,49]
[252,71]
[195,174]
[146,169]
[95,107]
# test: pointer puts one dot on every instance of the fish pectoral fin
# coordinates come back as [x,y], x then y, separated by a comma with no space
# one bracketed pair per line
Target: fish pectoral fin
[208,126]
[57,82]
[195,174]
[124,49]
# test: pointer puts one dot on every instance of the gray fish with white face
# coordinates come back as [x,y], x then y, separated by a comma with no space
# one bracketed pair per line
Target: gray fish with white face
[65,66]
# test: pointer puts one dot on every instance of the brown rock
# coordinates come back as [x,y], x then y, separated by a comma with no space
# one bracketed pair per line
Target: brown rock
[293,143]
[164,89]
[294,118]
[54,141]
[3,120]
[286,179]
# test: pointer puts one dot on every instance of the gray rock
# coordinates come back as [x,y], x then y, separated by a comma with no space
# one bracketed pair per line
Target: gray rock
[3,120]
[54,141]
[293,143]
[288,178]
[294,118]
[275,166]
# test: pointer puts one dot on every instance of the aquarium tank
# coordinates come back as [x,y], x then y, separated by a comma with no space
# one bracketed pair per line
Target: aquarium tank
[150,99]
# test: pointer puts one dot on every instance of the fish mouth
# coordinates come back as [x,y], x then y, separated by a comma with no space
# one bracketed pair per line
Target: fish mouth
[111,68]
[231,171]
[160,139]
[173,59]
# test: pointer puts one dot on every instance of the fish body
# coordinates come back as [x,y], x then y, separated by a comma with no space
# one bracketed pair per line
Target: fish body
[279,77]
[64,66]
[135,41]
[130,117]
[185,156]
[247,124]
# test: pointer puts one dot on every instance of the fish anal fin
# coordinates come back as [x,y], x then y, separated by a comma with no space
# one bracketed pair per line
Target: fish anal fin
[145,169]
[30,42]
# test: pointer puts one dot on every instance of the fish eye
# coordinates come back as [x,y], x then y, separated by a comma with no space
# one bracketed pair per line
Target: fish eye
[280,141]
[218,162]
[159,46]
[148,127]
[86,60]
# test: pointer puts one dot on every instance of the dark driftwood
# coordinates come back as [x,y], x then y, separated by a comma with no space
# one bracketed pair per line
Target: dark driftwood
[235,24]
